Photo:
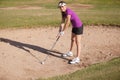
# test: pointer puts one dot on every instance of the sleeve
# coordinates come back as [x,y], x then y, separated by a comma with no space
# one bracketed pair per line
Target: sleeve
[69,12]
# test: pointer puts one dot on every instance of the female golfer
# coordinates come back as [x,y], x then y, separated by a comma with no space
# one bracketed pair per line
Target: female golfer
[77,30]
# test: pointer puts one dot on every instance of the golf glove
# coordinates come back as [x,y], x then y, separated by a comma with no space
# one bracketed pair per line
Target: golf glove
[62,33]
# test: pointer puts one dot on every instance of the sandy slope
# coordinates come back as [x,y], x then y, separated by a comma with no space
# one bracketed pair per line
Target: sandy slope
[21,50]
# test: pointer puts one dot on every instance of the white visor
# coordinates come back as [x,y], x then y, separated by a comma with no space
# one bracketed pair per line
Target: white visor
[61,4]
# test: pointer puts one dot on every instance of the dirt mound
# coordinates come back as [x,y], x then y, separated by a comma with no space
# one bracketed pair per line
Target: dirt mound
[21,51]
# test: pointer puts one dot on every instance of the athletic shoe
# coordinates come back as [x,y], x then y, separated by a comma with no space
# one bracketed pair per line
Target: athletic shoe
[69,54]
[75,60]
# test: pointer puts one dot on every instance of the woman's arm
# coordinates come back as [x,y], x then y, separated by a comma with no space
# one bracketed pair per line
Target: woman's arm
[67,22]
[62,22]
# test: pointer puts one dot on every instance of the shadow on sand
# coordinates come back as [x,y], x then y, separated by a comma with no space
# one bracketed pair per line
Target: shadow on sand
[23,46]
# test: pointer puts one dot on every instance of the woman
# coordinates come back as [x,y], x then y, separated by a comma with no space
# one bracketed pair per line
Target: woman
[77,30]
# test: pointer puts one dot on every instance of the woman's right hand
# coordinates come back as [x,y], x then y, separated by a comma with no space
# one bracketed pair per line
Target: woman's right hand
[60,33]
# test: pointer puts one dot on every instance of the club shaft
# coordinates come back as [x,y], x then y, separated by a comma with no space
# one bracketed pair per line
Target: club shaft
[55,43]
[51,49]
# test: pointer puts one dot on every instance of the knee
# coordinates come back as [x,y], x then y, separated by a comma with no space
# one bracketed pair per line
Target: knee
[73,40]
[78,42]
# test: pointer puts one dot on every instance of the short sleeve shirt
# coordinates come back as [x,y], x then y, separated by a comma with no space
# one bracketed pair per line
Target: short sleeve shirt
[76,22]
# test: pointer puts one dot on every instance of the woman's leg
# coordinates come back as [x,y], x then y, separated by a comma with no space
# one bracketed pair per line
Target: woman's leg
[71,46]
[78,44]
[72,41]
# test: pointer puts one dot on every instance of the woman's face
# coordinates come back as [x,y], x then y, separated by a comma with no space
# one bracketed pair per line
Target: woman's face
[63,8]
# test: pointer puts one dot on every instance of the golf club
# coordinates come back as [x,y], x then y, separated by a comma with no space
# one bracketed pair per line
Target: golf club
[42,62]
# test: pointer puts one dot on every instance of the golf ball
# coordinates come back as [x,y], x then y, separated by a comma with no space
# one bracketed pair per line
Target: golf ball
[42,62]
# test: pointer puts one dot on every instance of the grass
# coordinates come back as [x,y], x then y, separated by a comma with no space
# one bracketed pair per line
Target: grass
[28,18]
[105,12]
[104,71]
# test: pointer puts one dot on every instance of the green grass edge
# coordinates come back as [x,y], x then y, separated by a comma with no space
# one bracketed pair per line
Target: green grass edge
[109,70]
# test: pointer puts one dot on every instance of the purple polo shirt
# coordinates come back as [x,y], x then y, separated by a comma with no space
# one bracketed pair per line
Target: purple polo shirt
[76,22]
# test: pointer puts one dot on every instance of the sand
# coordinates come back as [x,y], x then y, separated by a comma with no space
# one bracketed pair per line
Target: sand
[22,50]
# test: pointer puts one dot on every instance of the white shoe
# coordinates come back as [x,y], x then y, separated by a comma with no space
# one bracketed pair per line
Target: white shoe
[75,60]
[69,54]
